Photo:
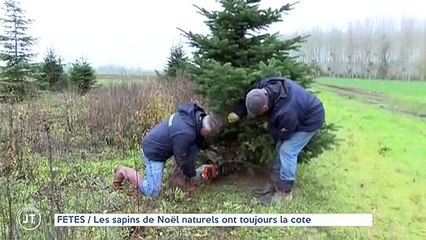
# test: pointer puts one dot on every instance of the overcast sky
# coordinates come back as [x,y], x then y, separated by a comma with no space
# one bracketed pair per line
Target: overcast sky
[139,33]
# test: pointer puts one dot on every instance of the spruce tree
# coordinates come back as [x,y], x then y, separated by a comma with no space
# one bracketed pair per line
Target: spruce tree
[177,63]
[51,72]
[15,76]
[238,52]
[82,76]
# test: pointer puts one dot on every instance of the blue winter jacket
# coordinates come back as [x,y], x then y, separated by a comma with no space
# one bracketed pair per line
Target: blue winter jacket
[175,135]
[291,108]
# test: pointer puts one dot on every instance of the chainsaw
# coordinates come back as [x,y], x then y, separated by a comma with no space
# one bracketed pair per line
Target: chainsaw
[211,171]
[207,172]
[214,167]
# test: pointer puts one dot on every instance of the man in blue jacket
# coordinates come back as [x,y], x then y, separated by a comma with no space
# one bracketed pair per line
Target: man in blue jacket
[294,117]
[182,135]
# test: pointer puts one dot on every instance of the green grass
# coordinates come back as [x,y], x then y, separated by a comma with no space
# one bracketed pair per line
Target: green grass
[105,80]
[378,168]
[407,94]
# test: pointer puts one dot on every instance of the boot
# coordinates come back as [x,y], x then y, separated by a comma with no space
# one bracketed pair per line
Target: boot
[284,189]
[125,173]
[269,187]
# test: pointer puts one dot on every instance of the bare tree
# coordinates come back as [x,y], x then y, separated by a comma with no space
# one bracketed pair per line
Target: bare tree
[374,48]
[421,61]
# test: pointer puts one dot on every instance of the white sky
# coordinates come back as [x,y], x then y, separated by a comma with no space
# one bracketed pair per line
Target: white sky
[139,33]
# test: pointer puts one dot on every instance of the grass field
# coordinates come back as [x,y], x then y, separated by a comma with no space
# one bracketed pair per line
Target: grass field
[378,168]
[108,80]
[410,96]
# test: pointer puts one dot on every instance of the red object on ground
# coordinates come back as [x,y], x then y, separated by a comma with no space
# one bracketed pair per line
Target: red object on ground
[209,172]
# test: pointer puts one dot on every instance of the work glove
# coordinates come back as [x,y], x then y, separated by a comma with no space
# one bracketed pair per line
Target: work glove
[233,117]
[188,170]
[263,125]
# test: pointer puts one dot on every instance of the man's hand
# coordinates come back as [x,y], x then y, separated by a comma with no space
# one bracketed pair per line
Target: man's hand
[263,125]
[188,171]
[179,180]
[233,117]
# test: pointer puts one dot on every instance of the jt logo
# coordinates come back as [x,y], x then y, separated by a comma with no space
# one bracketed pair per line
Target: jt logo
[29,218]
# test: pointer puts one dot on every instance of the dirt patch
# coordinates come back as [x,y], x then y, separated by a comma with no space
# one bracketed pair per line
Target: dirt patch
[249,177]
[372,98]
[353,90]
[234,170]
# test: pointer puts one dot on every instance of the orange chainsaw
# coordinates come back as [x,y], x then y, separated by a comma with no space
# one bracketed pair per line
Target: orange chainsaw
[215,167]
[207,172]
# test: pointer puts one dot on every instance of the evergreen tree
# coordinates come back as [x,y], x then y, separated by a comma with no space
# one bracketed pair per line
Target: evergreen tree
[51,72]
[177,63]
[82,76]
[15,83]
[234,55]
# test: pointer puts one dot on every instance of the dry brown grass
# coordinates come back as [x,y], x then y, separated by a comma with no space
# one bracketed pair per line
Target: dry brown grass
[45,143]
[116,117]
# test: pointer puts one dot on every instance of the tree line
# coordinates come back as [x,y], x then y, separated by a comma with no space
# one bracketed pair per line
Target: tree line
[22,78]
[376,48]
